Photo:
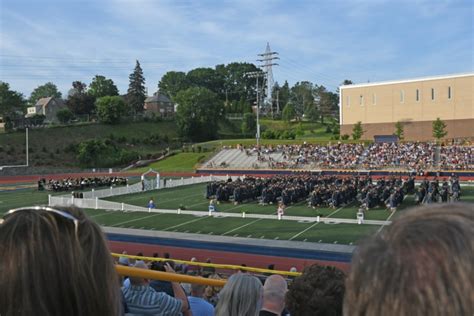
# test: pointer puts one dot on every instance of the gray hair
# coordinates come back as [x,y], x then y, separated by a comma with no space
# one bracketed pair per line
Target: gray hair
[241,296]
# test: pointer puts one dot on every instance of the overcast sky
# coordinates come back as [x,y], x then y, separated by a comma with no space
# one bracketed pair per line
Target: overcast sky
[324,42]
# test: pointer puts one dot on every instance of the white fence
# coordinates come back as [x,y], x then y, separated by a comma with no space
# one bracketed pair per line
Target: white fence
[138,187]
[96,203]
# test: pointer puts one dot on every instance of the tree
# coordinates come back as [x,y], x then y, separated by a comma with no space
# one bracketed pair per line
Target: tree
[281,94]
[110,109]
[64,115]
[198,112]
[101,87]
[173,82]
[311,113]
[399,130]
[10,101]
[206,78]
[302,96]
[357,131]
[248,124]
[288,112]
[47,90]
[79,101]
[439,129]
[136,90]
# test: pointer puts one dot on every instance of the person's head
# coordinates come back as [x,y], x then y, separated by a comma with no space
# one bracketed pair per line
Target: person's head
[242,295]
[197,290]
[318,291]
[57,263]
[421,264]
[136,280]
[274,291]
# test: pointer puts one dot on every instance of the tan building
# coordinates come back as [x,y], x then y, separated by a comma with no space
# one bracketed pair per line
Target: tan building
[414,102]
[47,107]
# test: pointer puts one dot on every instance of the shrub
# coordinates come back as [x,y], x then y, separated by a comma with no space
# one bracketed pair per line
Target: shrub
[345,137]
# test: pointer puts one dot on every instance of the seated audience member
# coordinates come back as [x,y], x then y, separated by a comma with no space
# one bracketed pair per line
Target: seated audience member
[55,262]
[421,264]
[242,295]
[161,285]
[142,299]
[318,291]
[274,292]
[199,306]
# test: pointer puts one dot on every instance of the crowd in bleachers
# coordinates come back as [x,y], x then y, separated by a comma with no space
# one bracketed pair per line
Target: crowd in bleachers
[66,269]
[408,155]
[331,191]
[81,183]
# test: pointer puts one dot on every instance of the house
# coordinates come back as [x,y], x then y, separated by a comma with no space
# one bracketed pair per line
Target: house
[47,107]
[159,105]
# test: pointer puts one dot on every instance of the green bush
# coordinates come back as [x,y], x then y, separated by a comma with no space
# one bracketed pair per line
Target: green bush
[345,137]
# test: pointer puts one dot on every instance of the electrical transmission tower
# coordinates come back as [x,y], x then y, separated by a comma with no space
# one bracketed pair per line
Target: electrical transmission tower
[267,59]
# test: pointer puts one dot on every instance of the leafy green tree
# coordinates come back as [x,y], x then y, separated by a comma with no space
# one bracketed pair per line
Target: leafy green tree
[101,87]
[64,115]
[10,101]
[439,129]
[357,131]
[233,83]
[79,101]
[399,130]
[288,113]
[311,113]
[281,94]
[110,109]
[205,78]
[47,90]
[249,124]
[302,96]
[198,112]
[136,89]
[173,82]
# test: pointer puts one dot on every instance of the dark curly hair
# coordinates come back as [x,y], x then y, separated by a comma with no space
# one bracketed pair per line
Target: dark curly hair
[318,291]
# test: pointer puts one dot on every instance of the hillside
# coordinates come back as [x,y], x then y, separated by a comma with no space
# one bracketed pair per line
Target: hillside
[55,146]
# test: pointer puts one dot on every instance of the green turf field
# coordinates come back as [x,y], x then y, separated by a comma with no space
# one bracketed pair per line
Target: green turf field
[192,198]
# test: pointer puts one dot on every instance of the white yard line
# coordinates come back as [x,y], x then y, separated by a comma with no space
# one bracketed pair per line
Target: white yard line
[245,225]
[305,230]
[188,222]
[136,219]
[386,222]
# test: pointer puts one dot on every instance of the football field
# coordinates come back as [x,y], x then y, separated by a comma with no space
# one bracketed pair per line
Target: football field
[192,198]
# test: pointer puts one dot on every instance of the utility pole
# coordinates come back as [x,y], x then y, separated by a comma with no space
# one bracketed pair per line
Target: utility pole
[267,59]
[256,75]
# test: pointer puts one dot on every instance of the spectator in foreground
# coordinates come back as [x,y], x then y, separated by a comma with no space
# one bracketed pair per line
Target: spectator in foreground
[241,296]
[199,306]
[144,300]
[55,262]
[422,264]
[274,292]
[318,291]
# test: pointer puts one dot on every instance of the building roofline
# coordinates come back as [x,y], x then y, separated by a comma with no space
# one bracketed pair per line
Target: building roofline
[381,83]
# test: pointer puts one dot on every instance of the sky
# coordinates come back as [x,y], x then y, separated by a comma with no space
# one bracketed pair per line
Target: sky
[324,42]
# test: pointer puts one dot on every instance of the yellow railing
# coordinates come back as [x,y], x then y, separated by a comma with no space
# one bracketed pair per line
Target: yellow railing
[213,265]
[165,276]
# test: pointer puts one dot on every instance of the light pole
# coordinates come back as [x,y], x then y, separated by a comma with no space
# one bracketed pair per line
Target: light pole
[256,75]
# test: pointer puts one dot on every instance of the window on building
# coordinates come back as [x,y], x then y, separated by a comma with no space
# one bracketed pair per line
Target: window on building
[417,95]
[374,99]
[449,93]
[348,101]
[402,96]
[432,94]
[361,100]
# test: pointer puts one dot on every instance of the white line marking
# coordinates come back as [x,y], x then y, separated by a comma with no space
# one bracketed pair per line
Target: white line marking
[237,228]
[136,219]
[304,231]
[188,222]
[386,222]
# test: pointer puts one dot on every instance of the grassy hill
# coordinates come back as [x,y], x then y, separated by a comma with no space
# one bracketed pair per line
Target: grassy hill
[54,146]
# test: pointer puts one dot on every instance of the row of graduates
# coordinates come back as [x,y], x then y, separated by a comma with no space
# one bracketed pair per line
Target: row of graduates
[80,183]
[433,192]
[317,190]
